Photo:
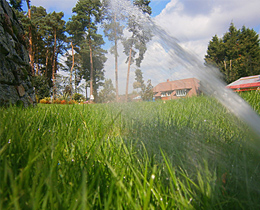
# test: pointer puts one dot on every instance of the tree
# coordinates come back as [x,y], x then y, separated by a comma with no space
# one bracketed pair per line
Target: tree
[114,31]
[148,91]
[42,88]
[236,54]
[76,31]
[107,94]
[99,60]
[30,38]
[43,54]
[73,64]
[56,30]
[89,14]
[16,4]
[138,39]
[139,80]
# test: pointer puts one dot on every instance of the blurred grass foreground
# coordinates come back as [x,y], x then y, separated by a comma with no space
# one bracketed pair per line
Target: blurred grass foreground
[183,154]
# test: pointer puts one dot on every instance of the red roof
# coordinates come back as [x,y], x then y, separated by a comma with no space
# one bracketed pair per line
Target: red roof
[175,85]
[245,83]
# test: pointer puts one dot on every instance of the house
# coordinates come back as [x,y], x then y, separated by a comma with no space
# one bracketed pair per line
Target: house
[245,84]
[177,89]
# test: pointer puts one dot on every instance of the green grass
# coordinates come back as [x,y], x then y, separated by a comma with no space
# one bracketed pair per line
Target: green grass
[183,154]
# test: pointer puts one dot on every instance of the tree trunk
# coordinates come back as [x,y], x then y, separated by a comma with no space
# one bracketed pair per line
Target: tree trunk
[37,57]
[116,62]
[86,90]
[30,40]
[47,62]
[230,71]
[128,72]
[71,70]
[54,64]
[91,68]
[226,73]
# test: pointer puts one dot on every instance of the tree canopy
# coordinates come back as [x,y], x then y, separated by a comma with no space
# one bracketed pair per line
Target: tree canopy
[236,54]
[75,46]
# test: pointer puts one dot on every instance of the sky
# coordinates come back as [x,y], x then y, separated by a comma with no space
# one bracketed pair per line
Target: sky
[192,22]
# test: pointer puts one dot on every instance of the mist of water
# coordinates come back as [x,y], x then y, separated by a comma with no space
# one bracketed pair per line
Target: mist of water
[209,76]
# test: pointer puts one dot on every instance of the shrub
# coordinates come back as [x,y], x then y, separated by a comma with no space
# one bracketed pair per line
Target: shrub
[72,102]
[78,97]
[43,101]
[56,101]
[42,87]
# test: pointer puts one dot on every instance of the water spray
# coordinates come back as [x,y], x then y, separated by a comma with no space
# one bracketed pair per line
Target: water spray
[210,79]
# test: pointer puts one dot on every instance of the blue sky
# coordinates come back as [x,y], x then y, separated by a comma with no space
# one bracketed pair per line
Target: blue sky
[67,5]
[192,22]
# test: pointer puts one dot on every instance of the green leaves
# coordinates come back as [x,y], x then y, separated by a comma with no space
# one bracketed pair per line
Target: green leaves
[236,54]
[139,35]
[107,94]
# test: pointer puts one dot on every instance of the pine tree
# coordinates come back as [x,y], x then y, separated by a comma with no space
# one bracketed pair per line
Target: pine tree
[16,4]
[147,91]
[107,94]
[56,30]
[114,31]
[89,14]
[236,54]
[139,80]
[138,39]
[76,32]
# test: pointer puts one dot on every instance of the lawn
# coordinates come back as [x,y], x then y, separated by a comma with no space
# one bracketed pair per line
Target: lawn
[183,154]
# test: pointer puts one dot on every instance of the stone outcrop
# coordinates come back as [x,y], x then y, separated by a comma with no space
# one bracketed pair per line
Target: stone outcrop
[15,75]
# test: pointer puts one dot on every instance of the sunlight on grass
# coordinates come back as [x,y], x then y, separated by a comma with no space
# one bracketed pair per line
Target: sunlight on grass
[182,154]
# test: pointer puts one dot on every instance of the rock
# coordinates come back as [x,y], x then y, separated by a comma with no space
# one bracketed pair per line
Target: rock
[15,76]
[21,90]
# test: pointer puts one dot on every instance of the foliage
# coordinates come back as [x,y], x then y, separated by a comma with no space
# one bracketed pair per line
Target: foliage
[42,88]
[147,91]
[78,97]
[139,80]
[138,38]
[236,54]
[46,100]
[83,29]
[183,154]
[16,4]
[47,40]
[88,14]
[107,94]
[113,30]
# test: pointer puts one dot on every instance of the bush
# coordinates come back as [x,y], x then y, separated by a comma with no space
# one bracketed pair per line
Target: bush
[56,101]
[46,100]
[78,97]
[43,101]
[42,88]
[73,102]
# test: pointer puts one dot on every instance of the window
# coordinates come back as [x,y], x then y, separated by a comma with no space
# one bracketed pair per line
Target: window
[166,93]
[182,92]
